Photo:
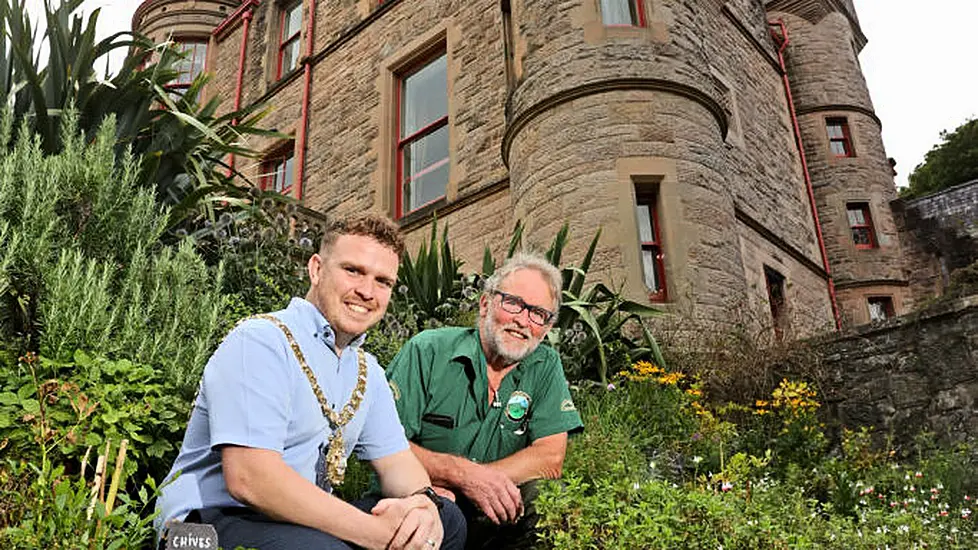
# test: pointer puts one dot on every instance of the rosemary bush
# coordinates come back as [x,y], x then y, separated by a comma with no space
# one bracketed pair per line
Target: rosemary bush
[82,265]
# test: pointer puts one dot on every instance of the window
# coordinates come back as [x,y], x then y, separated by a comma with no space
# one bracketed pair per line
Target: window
[840,141]
[776,297]
[192,64]
[880,308]
[289,38]
[653,270]
[278,171]
[627,13]
[861,225]
[422,136]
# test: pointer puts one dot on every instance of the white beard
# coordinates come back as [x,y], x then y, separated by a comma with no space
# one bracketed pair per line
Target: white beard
[509,353]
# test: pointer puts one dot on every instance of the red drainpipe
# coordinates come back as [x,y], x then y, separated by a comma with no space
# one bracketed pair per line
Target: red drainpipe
[241,66]
[306,90]
[783,45]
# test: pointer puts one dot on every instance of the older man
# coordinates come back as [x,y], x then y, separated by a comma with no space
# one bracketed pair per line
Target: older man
[285,400]
[487,409]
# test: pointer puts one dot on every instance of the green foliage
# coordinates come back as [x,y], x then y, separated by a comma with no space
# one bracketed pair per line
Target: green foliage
[43,507]
[179,143]
[432,292]
[951,162]
[432,284]
[660,467]
[81,263]
[264,257]
[71,406]
[616,512]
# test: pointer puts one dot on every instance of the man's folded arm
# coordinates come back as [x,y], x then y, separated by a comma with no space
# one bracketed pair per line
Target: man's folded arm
[259,478]
[543,459]
[400,474]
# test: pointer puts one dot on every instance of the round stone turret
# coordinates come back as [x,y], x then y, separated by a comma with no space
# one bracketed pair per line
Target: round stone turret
[850,171]
[179,20]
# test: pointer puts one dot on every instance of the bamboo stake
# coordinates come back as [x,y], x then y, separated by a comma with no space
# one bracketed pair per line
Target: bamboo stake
[84,463]
[95,486]
[105,470]
[114,488]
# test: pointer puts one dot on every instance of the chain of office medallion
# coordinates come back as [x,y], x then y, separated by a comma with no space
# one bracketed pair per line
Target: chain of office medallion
[346,414]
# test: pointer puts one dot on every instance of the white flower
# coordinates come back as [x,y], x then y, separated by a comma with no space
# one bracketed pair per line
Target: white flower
[697,459]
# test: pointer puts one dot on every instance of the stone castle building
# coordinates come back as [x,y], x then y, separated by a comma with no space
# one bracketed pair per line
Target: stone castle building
[728,150]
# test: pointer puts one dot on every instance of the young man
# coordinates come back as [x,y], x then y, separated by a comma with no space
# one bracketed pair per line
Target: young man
[488,409]
[285,400]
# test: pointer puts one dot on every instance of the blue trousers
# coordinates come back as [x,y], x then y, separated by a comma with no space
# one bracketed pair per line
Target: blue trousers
[248,528]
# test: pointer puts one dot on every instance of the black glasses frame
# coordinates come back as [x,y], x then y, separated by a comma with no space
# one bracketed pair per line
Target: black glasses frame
[515,305]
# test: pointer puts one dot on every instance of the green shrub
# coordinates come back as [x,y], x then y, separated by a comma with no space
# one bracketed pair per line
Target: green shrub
[82,266]
[616,512]
[43,507]
[70,408]
[264,251]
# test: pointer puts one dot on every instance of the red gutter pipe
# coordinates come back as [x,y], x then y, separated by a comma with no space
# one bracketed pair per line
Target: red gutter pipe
[231,19]
[782,42]
[306,91]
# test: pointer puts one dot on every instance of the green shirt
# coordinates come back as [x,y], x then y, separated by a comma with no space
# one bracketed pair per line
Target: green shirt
[441,391]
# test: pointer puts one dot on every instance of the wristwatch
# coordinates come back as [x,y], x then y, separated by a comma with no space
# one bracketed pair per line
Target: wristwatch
[431,494]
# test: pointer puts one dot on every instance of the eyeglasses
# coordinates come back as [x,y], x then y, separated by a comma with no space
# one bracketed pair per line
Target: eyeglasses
[516,305]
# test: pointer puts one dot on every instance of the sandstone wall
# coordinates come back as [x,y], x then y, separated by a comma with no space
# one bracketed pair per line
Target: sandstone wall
[939,234]
[915,373]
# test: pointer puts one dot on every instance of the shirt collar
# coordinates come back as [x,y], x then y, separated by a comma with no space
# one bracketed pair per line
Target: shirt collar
[314,321]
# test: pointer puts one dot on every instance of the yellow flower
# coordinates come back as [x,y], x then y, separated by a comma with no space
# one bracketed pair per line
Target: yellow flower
[671,379]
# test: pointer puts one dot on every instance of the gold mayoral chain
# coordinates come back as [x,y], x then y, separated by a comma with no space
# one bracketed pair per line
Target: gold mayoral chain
[336,453]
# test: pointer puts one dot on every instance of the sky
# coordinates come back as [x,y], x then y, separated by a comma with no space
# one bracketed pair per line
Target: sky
[919,66]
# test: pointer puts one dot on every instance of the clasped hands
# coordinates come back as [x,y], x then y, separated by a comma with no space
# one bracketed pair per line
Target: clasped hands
[414,522]
[491,490]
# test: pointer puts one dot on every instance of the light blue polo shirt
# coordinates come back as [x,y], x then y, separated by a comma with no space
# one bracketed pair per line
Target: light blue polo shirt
[254,394]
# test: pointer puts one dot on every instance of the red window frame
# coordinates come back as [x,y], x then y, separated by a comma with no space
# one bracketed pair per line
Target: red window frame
[404,141]
[189,47]
[645,199]
[837,130]
[865,227]
[275,166]
[887,304]
[774,281]
[639,13]
[285,41]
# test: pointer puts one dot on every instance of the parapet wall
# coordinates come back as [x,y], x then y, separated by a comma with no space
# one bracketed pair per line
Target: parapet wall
[956,208]
[914,373]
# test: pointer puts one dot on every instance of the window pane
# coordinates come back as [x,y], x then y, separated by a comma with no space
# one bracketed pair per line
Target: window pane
[191,63]
[877,310]
[645,231]
[619,12]
[290,56]
[861,236]
[426,169]
[200,59]
[288,172]
[856,217]
[293,22]
[835,131]
[425,97]
[838,148]
[651,274]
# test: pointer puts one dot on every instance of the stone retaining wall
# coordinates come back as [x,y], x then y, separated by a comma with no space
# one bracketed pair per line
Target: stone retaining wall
[913,373]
